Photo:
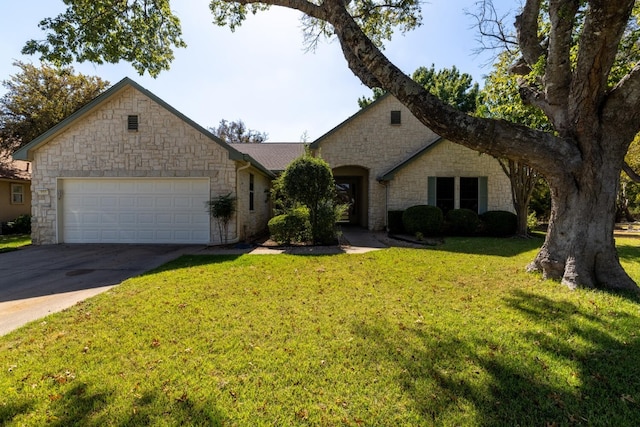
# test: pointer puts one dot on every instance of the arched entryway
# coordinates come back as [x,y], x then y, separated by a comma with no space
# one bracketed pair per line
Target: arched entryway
[352,186]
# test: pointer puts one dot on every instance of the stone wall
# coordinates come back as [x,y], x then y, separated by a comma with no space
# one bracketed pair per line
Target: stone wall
[446,159]
[99,145]
[370,141]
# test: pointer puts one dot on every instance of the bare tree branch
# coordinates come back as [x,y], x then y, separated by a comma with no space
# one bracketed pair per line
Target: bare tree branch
[633,175]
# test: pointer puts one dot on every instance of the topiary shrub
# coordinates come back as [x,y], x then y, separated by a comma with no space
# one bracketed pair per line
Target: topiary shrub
[394,219]
[293,226]
[462,222]
[423,219]
[499,223]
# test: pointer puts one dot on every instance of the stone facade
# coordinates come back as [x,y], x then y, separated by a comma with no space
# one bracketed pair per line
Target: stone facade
[446,159]
[99,144]
[370,142]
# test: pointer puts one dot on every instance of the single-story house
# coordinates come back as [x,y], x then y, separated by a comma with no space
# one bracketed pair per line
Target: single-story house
[129,168]
[15,191]
[384,159]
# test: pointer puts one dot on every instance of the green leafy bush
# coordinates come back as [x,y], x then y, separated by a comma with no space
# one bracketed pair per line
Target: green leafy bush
[499,223]
[20,225]
[293,226]
[394,219]
[463,222]
[423,219]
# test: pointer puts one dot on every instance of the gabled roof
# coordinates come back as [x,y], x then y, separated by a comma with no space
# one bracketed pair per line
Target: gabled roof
[14,170]
[275,156]
[26,152]
[315,144]
[390,174]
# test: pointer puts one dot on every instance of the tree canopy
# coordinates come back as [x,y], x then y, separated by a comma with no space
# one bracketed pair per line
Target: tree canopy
[448,84]
[577,62]
[38,98]
[236,132]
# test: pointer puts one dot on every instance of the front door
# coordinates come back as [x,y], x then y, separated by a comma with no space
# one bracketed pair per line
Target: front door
[347,190]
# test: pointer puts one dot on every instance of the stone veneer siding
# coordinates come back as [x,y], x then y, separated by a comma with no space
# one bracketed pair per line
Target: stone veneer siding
[369,140]
[446,159]
[99,145]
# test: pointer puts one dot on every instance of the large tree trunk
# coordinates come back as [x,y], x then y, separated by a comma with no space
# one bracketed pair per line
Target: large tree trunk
[579,248]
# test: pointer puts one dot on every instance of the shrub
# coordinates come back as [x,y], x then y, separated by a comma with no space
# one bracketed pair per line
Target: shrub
[328,215]
[462,222]
[423,219]
[394,219]
[499,223]
[293,226]
[20,225]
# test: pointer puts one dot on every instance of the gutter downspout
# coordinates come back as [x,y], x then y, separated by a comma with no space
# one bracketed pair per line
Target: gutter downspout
[241,168]
[385,184]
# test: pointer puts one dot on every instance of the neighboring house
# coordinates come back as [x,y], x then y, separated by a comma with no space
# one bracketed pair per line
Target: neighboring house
[15,191]
[129,168]
[384,159]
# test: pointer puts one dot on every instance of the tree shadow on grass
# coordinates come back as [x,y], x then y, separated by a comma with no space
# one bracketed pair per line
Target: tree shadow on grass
[533,376]
[78,407]
[187,261]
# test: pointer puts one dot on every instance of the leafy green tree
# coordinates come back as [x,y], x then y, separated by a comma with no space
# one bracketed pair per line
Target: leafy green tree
[37,98]
[237,133]
[501,100]
[569,52]
[222,209]
[308,181]
[141,32]
[449,85]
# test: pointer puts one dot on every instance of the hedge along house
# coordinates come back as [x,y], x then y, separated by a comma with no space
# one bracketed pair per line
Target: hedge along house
[383,159]
[129,168]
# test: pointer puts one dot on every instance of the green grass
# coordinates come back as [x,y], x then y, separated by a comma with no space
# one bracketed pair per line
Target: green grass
[11,242]
[458,335]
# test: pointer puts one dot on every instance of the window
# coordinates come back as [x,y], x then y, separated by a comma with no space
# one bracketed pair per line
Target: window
[132,122]
[470,193]
[251,191]
[396,117]
[17,194]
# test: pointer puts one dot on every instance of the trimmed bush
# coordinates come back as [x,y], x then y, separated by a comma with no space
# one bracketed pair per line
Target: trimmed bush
[423,219]
[499,223]
[293,226]
[394,219]
[462,222]
[20,225]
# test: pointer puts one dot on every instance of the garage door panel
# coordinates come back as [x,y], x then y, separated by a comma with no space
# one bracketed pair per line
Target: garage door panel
[135,210]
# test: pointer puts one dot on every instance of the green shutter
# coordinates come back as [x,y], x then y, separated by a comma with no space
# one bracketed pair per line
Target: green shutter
[483,194]
[431,190]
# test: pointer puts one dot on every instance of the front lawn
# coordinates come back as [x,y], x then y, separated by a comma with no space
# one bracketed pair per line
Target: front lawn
[11,242]
[455,336]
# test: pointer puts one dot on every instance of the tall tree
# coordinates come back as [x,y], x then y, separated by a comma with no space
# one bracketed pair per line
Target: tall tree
[237,133]
[501,100]
[569,49]
[449,84]
[37,98]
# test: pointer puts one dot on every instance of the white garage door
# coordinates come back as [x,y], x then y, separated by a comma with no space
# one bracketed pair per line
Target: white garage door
[136,210]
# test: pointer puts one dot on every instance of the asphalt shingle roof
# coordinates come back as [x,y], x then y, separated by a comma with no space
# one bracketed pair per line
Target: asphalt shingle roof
[274,156]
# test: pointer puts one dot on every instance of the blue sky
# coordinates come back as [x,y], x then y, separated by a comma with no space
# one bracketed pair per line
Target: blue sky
[261,74]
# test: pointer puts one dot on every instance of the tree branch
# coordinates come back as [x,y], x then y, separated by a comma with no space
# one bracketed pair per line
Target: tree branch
[557,78]
[496,137]
[630,172]
[604,26]
[623,104]
[527,32]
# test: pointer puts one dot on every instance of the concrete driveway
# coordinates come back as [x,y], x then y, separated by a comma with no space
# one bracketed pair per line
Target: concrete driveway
[38,280]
